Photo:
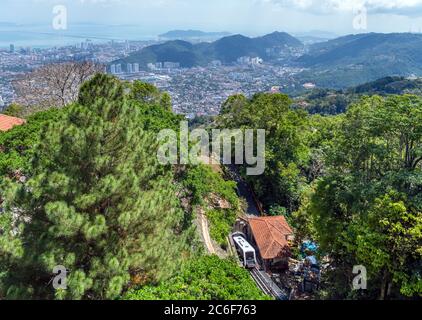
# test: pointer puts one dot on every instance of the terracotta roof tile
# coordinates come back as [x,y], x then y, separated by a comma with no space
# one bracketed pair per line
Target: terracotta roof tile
[270,235]
[7,122]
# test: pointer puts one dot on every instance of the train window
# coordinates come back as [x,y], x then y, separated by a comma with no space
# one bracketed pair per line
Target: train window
[250,257]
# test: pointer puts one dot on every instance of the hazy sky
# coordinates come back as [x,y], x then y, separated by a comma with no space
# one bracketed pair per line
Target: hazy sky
[243,16]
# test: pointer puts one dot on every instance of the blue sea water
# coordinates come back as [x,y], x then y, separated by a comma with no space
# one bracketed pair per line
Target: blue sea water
[41,36]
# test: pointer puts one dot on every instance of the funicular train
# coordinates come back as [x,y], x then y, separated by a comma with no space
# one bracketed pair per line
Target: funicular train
[245,251]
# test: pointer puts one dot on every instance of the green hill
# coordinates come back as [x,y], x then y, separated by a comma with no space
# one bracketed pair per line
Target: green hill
[354,59]
[331,101]
[364,48]
[227,50]
[172,51]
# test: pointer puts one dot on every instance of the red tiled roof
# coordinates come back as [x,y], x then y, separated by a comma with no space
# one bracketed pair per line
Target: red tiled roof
[270,235]
[7,122]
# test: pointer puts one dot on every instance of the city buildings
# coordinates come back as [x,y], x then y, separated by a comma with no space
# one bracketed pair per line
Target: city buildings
[203,90]
[252,61]
[17,61]
[194,91]
[309,86]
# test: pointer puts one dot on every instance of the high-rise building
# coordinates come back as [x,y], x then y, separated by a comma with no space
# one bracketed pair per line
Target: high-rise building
[12,48]
[171,65]
[118,68]
[136,67]
[129,68]
[113,69]
[256,61]
[244,60]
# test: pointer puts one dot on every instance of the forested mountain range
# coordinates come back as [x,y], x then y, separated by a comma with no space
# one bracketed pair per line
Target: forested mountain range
[191,34]
[354,59]
[338,63]
[366,48]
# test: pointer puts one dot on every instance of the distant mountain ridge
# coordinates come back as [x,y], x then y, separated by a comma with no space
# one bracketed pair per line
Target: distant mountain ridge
[186,34]
[338,63]
[354,59]
[356,48]
[227,50]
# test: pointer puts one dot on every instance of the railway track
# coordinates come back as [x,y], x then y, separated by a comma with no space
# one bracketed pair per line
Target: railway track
[267,285]
[261,278]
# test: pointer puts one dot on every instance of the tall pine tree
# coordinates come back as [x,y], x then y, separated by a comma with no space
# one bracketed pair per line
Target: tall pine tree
[97,203]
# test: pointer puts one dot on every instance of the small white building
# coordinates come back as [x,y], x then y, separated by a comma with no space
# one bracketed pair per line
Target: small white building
[309,85]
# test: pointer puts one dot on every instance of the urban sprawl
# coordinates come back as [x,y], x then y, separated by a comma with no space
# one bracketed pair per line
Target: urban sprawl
[195,91]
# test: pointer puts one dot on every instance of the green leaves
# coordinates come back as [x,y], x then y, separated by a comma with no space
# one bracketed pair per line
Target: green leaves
[286,151]
[367,208]
[203,278]
[18,144]
[96,228]
[101,86]
[66,221]
[207,189]
[202,181]
[96,202]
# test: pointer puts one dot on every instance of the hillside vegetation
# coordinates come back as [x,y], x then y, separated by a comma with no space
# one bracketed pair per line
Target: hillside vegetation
[352,182]
[95,200]
[331,101]
[355,59]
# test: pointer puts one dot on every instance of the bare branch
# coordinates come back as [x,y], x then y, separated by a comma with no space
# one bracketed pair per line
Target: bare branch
[54,84]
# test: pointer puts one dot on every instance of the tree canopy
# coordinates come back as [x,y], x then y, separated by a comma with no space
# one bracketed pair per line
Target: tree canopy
[351,182]
[97,202]
[203,278]
[18,144]
[367,208]
[286,144]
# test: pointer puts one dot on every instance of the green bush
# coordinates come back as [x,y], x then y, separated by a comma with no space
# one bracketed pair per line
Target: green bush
[203,278]
[202,181]
[221,223]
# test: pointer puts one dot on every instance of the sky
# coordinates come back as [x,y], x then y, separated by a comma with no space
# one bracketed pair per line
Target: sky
[250,17]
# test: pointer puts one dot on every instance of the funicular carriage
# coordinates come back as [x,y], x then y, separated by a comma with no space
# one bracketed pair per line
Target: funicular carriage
[245,250]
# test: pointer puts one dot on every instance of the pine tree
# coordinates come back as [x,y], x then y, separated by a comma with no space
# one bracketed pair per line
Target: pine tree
[97,203]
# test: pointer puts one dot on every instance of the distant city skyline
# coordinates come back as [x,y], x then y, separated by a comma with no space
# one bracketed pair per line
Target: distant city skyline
[251,17]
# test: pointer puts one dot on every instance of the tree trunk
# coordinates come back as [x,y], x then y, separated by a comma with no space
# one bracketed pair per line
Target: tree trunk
[384,286]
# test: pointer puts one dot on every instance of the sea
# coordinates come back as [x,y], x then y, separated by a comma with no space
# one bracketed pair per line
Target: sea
[44,36]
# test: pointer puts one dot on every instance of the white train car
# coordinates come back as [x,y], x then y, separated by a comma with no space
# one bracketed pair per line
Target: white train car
[246,251]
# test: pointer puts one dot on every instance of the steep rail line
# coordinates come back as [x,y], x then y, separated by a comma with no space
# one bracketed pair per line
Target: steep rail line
[267,285]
